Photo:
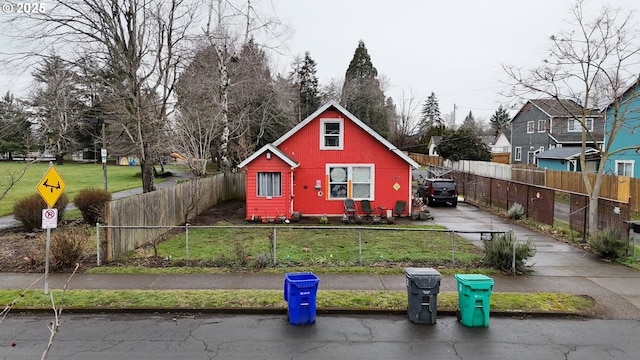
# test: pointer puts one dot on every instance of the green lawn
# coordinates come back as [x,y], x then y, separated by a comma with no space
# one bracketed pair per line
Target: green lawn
[361,300]
[77,176]
[295,246]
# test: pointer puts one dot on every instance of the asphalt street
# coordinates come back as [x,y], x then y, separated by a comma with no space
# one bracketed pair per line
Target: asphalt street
[196,336]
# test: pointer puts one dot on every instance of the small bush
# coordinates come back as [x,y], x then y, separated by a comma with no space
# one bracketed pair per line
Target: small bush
[92,204]
[67,246]
[498,252]
[262,260]
[607,244]
[516,211]
[29,210]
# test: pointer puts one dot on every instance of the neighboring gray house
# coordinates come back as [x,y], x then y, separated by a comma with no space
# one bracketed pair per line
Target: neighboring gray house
[545,124]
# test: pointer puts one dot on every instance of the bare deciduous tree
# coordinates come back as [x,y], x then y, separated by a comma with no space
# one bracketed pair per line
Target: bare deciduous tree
[591,64]
[138,41]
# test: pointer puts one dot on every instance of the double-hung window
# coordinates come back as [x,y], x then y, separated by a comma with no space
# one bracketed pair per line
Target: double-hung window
[331,134]
[576,126]
[531,127]
[269,184]
[350,181]
[542,125]
[624,167]
[517,156]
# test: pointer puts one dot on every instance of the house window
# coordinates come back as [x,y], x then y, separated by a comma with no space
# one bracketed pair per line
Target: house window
[541,149]
[624,167]
[331,134]
[531,126]
[576,126]
[518,154]
[269,184]
[350,181]
[542,126]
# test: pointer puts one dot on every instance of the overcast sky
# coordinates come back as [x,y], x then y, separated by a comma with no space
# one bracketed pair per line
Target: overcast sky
[452,48]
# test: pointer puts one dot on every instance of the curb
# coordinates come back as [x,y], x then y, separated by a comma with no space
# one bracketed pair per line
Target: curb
[283,311]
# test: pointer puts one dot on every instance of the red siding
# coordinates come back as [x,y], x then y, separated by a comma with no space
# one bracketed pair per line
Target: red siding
[359,147]
[268,206]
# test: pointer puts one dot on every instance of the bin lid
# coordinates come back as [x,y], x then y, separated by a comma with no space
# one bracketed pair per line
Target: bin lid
[302,279]
[421,272]
[475,281]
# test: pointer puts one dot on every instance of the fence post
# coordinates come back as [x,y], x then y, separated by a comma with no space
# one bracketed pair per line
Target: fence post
[275,262]
[98,243]
[360,246]
[453,247]
[186,236]
[513,260]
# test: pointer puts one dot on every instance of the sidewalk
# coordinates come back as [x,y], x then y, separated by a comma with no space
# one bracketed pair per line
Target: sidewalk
[556,267]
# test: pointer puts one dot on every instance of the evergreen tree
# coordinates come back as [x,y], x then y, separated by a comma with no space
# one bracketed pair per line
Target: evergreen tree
[499,121]
[15,128]
[59,106]
[362,95]
[463,144]
[469,122]
[431,115]
[307,81]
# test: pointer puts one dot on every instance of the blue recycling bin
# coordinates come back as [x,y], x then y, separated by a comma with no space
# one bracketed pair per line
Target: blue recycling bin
[300,290]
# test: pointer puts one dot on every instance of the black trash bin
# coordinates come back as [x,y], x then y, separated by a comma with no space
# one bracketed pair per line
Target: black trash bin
[423,286]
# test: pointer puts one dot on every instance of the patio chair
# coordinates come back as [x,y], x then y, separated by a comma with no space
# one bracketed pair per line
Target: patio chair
[400,208]
[350,208]
[365,206]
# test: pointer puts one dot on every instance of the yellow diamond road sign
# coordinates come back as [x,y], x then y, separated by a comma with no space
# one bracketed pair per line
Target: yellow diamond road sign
[51,186]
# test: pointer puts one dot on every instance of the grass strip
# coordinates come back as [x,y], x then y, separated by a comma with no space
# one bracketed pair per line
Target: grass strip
[273,299]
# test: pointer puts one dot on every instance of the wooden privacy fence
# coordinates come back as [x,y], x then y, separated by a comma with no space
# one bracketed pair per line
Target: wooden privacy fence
[157,211]
[620,188]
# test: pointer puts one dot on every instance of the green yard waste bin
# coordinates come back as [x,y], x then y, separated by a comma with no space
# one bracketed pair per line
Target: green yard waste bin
[423,286]
[474,294]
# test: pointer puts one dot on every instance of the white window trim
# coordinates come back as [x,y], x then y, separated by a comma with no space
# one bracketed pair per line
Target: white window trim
[340,136]
[350,180]
[625,162]
[517,156]
[531,127]
[542,128]
[577,126]
[258,184]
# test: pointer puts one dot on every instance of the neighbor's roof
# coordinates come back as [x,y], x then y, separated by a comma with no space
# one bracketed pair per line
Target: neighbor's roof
[356,121]
[554,108]
[565,153]
[575,138]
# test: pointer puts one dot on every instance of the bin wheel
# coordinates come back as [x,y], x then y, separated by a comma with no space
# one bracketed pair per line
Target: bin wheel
[458,316]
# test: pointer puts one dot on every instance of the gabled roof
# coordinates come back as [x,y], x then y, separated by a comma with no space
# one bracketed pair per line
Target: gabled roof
[435,140]
[274,150]
[566,153]
[555,108]
[574,138]
[356,121]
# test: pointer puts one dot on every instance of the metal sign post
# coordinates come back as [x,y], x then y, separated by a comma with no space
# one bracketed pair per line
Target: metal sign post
[50,188]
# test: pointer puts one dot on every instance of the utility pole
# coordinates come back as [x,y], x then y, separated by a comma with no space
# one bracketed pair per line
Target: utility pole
[453,125]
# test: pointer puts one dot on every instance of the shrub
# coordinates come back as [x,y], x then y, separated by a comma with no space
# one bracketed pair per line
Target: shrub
[67,246]
[29,210]
[92,204]
[516,211]
[498,252]
[262,260]
[607,244]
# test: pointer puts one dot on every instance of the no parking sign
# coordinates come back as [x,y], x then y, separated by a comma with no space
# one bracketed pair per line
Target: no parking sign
[49,218]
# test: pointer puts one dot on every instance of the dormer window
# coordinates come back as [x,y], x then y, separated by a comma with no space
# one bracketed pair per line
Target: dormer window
[331,134]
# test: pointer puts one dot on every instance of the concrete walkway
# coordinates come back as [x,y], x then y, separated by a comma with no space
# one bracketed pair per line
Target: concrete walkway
[556,267]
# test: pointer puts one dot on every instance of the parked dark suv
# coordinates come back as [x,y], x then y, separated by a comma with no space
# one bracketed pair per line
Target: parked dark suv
[438,191]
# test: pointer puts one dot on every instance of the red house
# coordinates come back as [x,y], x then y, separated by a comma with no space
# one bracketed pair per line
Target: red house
[328,157]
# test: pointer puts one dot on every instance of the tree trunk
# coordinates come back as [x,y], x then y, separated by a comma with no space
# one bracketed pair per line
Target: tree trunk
[146,167]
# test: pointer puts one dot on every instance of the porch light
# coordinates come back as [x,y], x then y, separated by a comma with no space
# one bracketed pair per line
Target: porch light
[318,185]
[268,156]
